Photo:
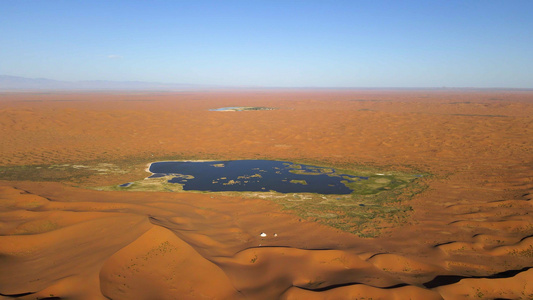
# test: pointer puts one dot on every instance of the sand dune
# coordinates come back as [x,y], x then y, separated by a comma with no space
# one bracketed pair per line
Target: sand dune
[158,265]
[514,287]
[468,235]
[360,291]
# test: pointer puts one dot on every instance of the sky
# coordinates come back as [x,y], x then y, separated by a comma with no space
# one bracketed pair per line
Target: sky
[430,43]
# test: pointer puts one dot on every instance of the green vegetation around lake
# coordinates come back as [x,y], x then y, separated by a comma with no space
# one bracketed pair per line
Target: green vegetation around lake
[380,198]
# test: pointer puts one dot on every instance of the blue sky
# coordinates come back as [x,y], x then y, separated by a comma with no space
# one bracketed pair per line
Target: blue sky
[272,43]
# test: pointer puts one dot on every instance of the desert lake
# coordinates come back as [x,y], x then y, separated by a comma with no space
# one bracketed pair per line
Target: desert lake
[254,175]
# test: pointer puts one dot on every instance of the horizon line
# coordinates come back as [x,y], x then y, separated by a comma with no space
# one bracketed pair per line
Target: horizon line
[167,86]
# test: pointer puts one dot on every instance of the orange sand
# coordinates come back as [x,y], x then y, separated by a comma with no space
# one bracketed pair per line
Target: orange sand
[470,234]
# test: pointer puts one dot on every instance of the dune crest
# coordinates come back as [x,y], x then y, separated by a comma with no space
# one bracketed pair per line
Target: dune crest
[159,265]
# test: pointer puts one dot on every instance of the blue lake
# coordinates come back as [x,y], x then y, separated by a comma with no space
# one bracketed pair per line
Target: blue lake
[225,108]
[253,176]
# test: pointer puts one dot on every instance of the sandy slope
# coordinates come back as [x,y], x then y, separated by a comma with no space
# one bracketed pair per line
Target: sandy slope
[469,235]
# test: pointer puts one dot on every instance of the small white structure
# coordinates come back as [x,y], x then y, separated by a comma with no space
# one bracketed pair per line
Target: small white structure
[263,234]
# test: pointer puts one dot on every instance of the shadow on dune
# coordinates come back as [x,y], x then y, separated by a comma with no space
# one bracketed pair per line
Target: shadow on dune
[442,280]
[330,287]
[17,295]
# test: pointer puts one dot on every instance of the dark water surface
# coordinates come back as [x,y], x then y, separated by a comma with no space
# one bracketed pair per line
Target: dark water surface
[254,176]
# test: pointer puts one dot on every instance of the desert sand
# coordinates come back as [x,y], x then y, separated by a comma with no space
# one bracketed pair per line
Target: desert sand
[469,234]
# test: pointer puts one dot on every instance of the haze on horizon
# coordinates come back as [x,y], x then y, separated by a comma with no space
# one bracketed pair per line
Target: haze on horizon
[484,44]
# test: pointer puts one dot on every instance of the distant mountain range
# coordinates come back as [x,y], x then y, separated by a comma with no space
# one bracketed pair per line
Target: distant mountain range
[17,83]
[22,83]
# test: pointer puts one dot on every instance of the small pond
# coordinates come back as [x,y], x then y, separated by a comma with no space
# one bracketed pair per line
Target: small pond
[253,176]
